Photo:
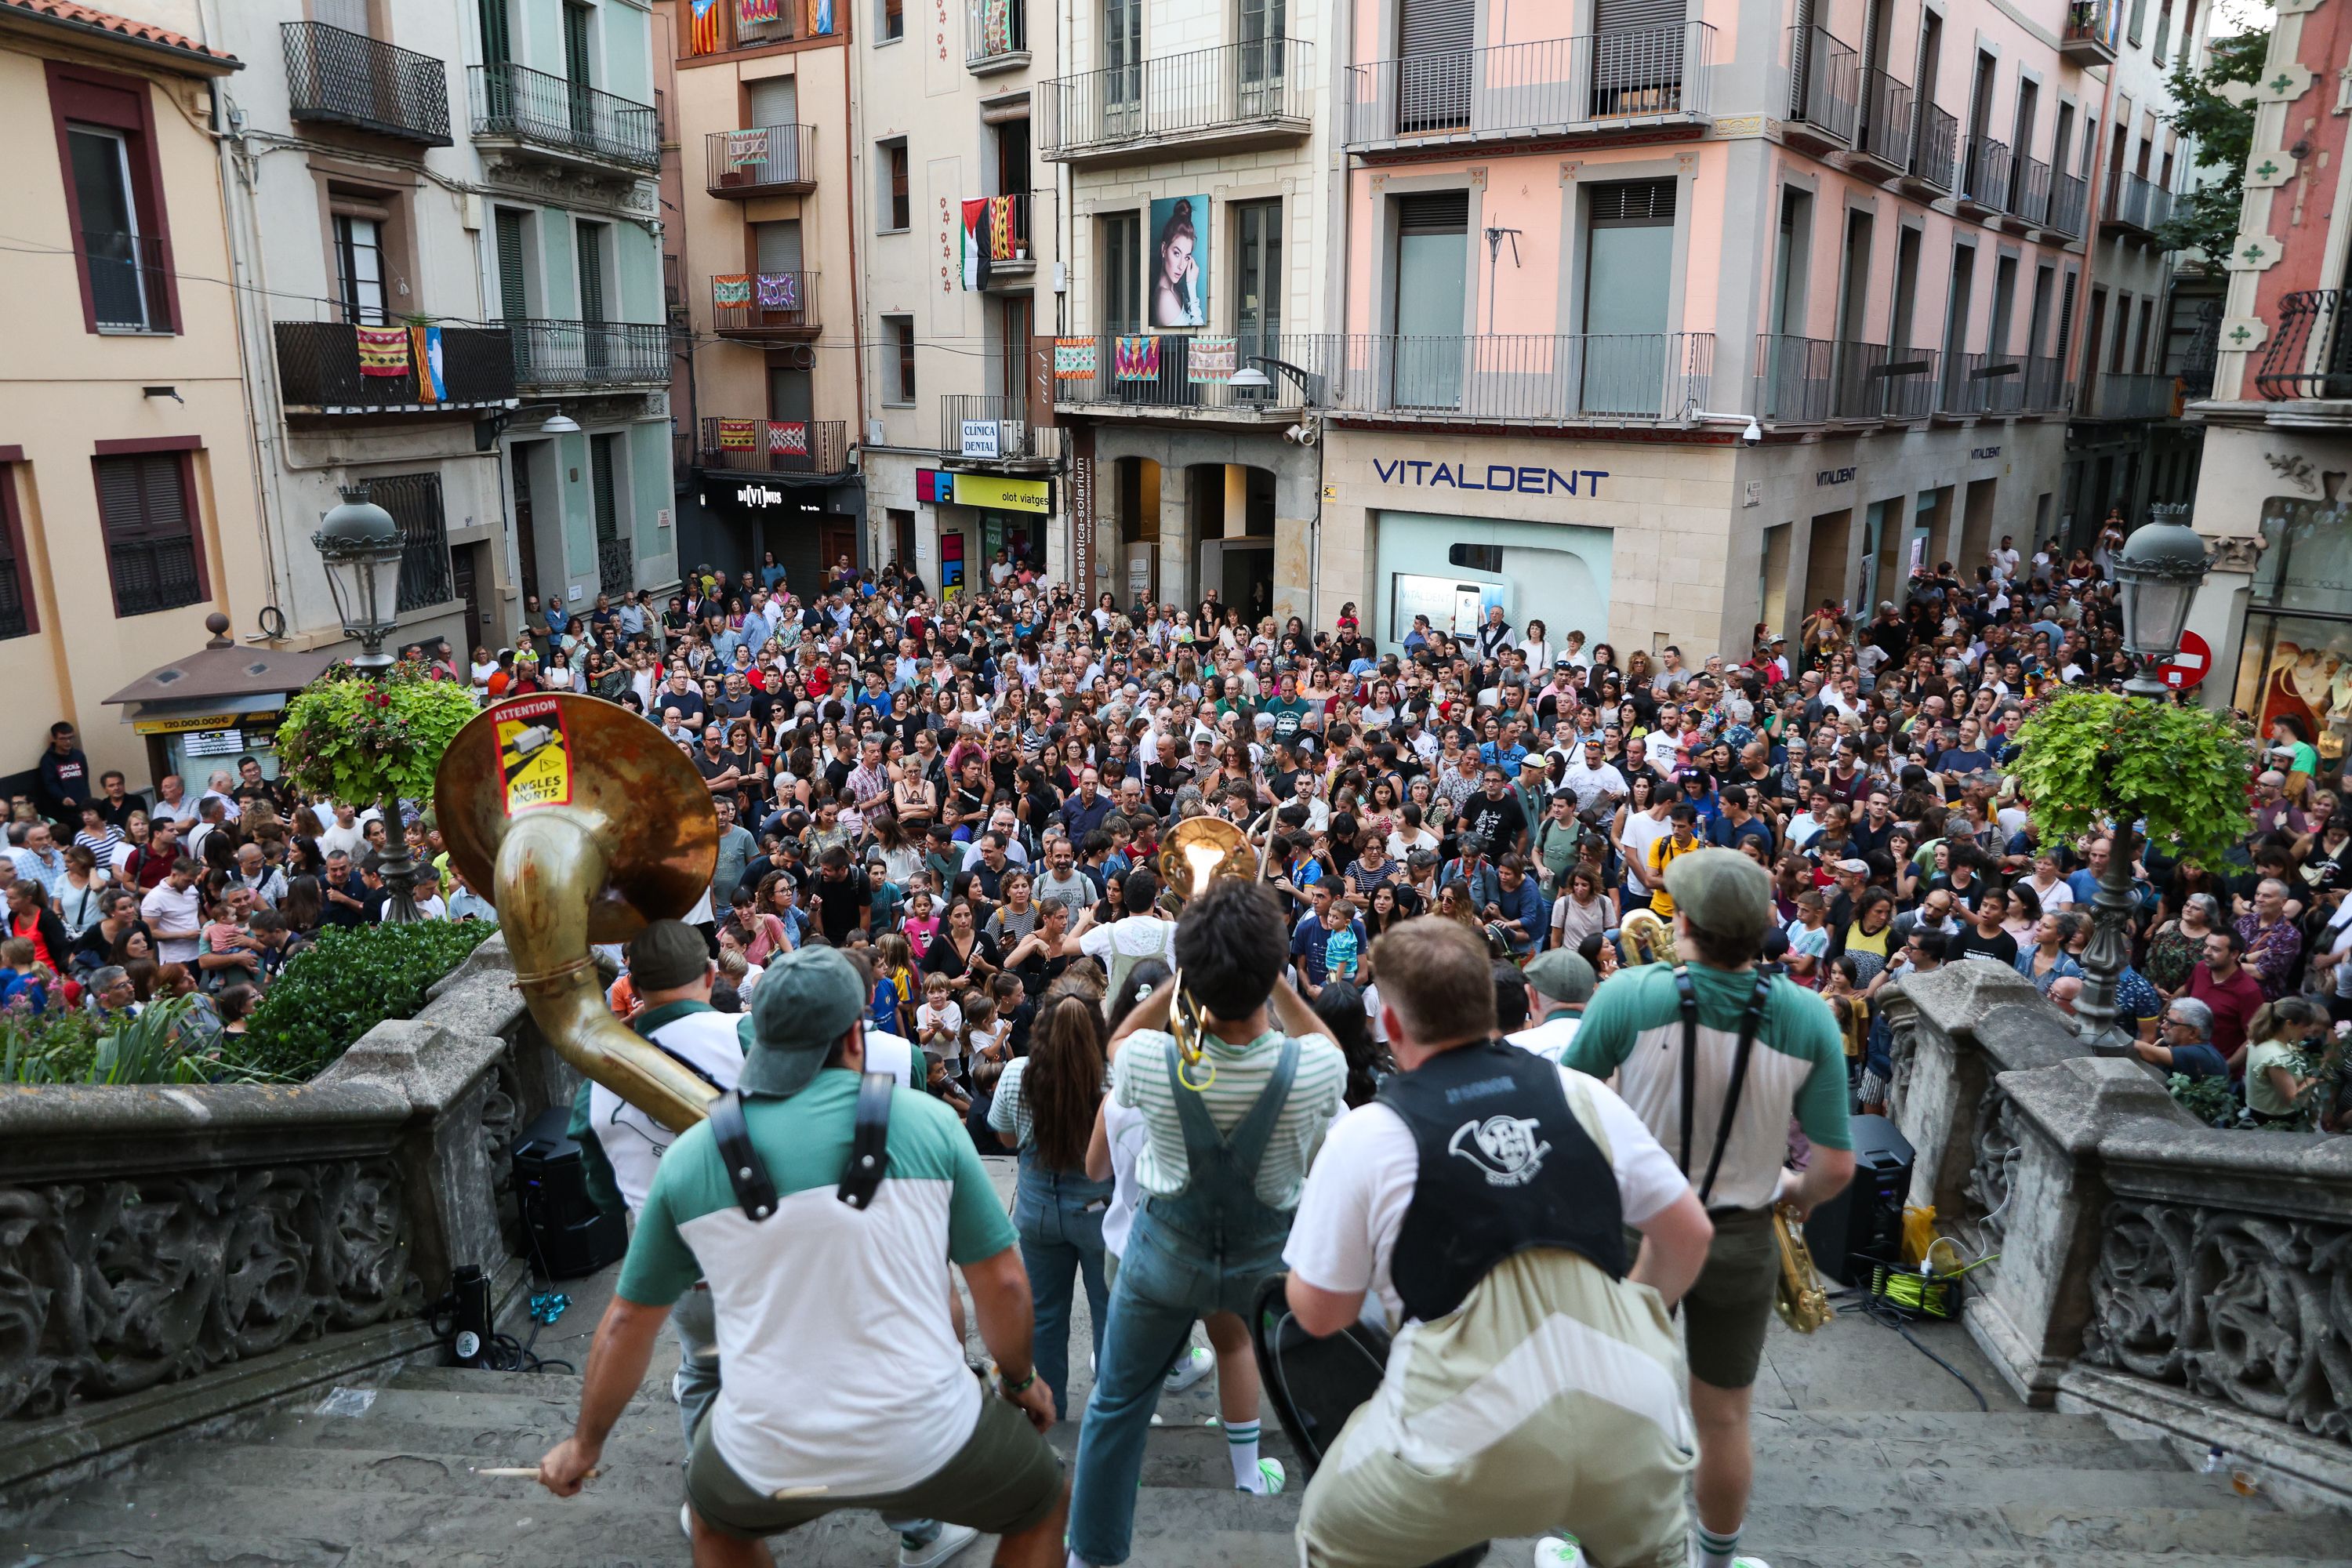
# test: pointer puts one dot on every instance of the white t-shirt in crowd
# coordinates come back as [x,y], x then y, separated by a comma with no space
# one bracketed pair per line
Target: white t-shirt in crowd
[166,907]
[1548,1038]
[1345,1229]
[1124,1128]
[1641,830]
[633,1142]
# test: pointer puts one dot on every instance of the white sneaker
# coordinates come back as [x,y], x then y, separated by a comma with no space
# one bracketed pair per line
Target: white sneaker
[686,1518]
[1559,1551]
[1199,1364]
[953,1538]
[1271,1472]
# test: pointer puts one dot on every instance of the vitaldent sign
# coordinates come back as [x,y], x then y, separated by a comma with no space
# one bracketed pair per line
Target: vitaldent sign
[1527,480]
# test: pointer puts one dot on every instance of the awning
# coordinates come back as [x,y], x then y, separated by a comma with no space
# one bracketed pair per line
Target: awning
[219,678]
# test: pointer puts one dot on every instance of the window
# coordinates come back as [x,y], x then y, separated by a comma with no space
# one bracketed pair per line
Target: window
[2163,31]
[1475,557]
[414,502]
[894,19]
[514,292]
[359,269]
[1432,263]
[114,199]
[146,509]
[2139,14]
[16,617]
[898,198]
[901,330]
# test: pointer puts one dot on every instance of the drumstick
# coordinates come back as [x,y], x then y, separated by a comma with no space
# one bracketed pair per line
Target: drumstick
[531,1470]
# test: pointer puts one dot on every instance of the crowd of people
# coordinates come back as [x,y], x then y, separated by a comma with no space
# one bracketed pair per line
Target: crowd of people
[950,810]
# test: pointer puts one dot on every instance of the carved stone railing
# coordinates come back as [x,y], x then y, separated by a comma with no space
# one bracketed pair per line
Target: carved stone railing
[172,1254]
[2189,1282]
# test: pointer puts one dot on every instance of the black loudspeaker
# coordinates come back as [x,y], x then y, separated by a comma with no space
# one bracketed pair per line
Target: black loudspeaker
[1864,1222]
[566,1235]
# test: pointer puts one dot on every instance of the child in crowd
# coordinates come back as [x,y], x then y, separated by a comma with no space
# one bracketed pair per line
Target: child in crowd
[893,983]
[938,1022]
[1809,937]
[1339,942]
[986,1036]
[21,978]
[920,924]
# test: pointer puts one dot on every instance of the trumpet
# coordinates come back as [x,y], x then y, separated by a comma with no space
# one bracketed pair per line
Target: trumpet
[1798,1295]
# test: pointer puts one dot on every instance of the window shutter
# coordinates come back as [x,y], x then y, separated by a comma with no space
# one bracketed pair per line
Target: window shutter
[1634,201]
[774,102]
[512,303]
[1434,212]
[1616,15]
[779,245]
[591,240]
[1436,26]
[150,538]
[497,47]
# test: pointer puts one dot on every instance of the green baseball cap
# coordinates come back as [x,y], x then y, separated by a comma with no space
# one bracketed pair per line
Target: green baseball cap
[1721,890]
[806,1000]
[1562,974]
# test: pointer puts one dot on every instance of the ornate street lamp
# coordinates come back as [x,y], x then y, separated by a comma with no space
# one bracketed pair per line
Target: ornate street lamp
[2156,576]
[361,546]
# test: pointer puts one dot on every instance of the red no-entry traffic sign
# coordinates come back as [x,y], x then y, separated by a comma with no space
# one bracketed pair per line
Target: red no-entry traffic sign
[2192,664]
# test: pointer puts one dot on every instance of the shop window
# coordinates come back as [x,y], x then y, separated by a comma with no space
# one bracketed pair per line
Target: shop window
[146,511]
[1475,557]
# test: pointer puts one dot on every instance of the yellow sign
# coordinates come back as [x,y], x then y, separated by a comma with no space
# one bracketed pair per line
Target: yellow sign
[534,755]
[177,725]
[1005,495]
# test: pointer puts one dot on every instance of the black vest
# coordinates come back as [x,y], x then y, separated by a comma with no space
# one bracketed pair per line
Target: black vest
[1505,1166]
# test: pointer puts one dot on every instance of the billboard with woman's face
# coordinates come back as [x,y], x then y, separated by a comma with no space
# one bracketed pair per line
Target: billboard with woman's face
[1179,261]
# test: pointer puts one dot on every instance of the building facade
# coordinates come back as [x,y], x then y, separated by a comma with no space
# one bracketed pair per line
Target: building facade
[1580,259]
[769,278]
[2274,497]
[127,503]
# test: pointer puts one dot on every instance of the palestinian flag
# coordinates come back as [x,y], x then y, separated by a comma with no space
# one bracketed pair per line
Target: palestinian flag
[973,243]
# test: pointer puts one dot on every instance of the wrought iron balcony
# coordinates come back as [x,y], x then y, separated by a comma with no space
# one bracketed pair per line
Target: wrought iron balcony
[2047,390]
[1557,89]
[349,78]
[1010,239]
[2029,192]
[532,113]
[1883,145]
[760,161]
[318,371]
[764,307]
[995,35]
[2309,356]
[776,446]
[2092,32]
[1792,379]
[1824,91]
[2068,196]
[2136,205]
[2120,394]
[1993,384]
[1192,372]
[991,429]
[1512,378]
[1229,99]
[551,355]
[1934,150]
[1984,176]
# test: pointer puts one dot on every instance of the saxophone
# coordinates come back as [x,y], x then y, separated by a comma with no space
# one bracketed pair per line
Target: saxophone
[1797,1295]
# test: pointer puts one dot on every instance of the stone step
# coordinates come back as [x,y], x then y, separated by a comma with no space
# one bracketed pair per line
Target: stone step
[1869,1529]
[1777,1449]
[2111,1489]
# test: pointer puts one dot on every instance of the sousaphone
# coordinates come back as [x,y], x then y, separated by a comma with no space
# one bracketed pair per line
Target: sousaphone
[581,822]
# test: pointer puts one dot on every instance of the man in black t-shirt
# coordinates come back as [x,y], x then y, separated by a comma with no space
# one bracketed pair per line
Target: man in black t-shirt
[1495,816]
[842,896]
[1985,939]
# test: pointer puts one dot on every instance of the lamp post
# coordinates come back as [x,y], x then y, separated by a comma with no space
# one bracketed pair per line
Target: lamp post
[2157,574]
[361,546]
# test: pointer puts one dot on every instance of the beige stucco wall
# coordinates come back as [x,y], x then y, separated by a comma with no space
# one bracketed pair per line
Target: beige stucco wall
[69,388]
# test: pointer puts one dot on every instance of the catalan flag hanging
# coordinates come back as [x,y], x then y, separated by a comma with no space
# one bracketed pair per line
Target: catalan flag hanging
[704,38]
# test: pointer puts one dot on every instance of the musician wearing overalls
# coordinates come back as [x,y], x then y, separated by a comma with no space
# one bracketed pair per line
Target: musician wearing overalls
[1715,1058]
[1481,1204]
[1229,1136]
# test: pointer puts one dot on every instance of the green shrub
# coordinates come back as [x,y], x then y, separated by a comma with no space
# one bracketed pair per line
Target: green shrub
[58,1046]
[351,979]
[351,737]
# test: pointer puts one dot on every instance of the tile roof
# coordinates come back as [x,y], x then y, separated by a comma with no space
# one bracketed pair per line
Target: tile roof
[89,19]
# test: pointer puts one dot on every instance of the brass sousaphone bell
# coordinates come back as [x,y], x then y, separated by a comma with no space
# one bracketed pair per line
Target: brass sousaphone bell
[581,822]
[1643,936]
[1196,852]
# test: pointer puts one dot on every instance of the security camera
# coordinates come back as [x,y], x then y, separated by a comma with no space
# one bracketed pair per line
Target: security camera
[1753,435]
[1302,434]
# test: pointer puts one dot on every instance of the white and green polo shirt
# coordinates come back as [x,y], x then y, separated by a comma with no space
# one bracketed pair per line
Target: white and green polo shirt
[1632,1028]
[843,1371]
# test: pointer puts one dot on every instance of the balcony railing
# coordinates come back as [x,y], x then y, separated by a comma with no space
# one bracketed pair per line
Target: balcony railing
[1000,428]
[1012,247]
[2029,191]
[764,305]
[2310,354]
[760,161]
[1990,384]
[318,371]
[1194,370]
[414,502]
[130,281]
[2047,390]
[2092,31]
[995,35]
[2067,192]
[1591,377]
[572,120]
[1237,91]
[1555,87]
[350,79]
[1984,174]
[776,446]
[1935,147]
[1792,378]
[1884,138]
[2131,396]
[1824,87]
[551,353]
[2136,204]
[1874,381]
[2198,359]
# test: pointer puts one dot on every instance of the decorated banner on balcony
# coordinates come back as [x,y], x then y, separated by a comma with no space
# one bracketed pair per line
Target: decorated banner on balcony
[746,147]
[779,290]
[1209,360]
[424,346]
[789,435]
[1004,224]
[752,12]
[730,289]
[738,434]
[972,243]
[704,39]
[1137,358]
[1074,359]
[996,26]
[383,351]
[820,19]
